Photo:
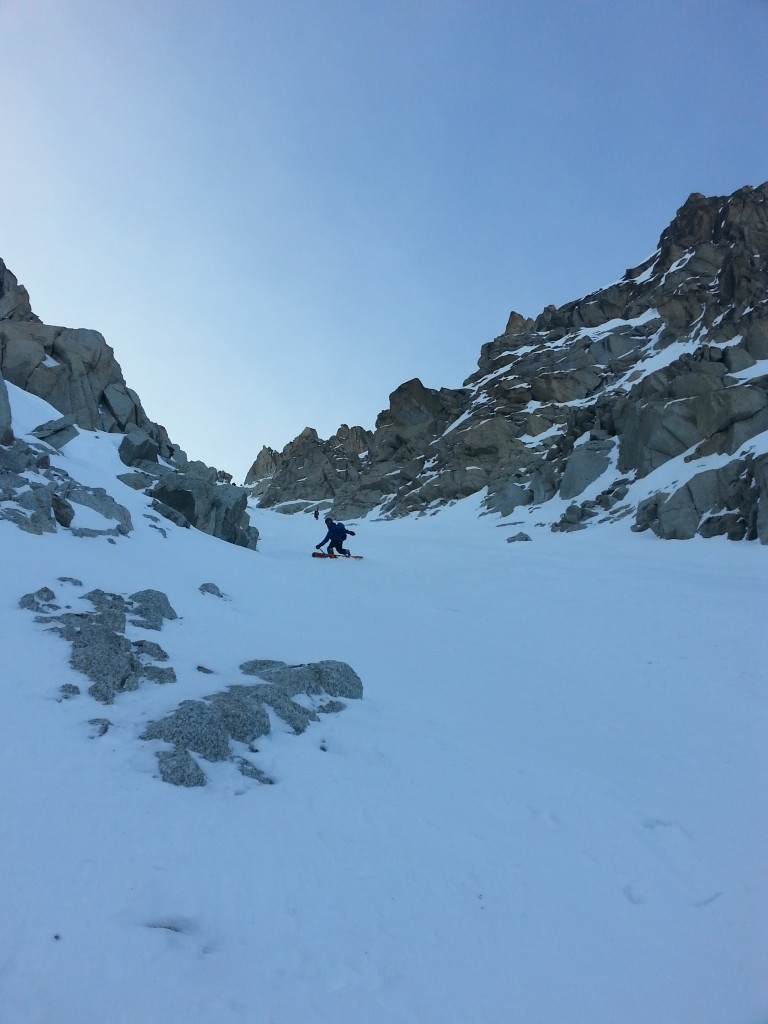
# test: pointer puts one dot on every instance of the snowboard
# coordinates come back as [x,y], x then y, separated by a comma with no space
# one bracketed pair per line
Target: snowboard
[322,554]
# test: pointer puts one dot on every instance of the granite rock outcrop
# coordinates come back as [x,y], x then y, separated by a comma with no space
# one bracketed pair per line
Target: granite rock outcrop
[584,402]
[76,372]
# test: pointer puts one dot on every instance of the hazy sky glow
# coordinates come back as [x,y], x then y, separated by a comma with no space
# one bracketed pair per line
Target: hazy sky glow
[276,212]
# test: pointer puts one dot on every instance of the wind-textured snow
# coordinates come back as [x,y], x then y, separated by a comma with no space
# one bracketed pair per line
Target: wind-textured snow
[548,808]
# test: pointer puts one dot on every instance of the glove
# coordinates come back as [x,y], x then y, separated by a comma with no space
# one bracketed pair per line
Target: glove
[318,546]
[351,533]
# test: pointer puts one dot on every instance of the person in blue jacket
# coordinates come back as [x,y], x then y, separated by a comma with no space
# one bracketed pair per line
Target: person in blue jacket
[337,534]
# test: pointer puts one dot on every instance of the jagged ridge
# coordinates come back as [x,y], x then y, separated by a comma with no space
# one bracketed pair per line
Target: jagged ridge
[666,362]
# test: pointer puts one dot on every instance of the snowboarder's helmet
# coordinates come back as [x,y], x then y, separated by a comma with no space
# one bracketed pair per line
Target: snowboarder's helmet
[328,519]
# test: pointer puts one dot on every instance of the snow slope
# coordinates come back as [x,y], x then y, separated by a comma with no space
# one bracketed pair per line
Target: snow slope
[548,807]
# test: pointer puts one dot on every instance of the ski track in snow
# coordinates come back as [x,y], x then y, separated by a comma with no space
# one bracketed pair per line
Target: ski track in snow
[548,807]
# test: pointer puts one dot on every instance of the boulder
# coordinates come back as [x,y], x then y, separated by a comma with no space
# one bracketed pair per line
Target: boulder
[57,432]
[100,501]
[151,607]
[137,447]
[217,509]
[63,511]
[122,403]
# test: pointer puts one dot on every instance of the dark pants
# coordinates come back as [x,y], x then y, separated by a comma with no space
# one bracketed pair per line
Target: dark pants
[335,545]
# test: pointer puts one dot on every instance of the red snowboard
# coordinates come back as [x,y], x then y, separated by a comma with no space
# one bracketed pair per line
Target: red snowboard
[322,554]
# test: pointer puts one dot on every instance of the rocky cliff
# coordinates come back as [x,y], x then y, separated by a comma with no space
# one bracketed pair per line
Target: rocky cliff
[668,367]
[76,372]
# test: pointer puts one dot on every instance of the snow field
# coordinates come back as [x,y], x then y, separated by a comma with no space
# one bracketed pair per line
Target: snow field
[549,805]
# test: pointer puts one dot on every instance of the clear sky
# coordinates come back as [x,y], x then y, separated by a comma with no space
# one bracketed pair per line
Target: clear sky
[277,211]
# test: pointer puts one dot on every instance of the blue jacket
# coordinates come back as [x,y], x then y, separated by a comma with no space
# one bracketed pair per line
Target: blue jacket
[336,531]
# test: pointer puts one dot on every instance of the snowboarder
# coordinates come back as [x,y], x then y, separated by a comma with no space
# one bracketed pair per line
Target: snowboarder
[337,534]
[316,513]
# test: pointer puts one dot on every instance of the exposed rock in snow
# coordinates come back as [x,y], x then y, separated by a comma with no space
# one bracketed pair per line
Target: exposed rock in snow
[76,372]
[666,362]
[209,727]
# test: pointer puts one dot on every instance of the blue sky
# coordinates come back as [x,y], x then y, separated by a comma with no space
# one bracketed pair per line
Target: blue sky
[277,212]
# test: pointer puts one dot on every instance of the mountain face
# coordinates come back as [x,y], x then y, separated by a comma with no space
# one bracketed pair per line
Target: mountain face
[647,398]
[208,817]
[76,372]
